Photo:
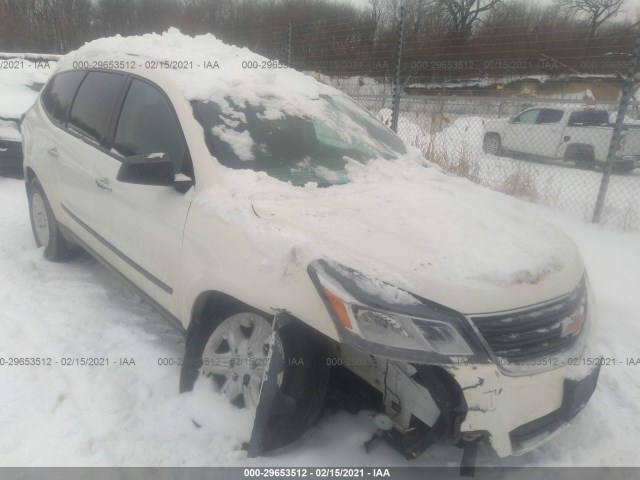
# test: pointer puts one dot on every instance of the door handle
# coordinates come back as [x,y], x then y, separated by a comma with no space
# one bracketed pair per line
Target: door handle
[104,184]
[53,152]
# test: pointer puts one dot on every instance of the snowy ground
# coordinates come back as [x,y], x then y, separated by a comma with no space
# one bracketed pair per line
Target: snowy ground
[133,416]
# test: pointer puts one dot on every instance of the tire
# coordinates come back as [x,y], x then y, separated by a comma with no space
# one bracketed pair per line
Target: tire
[304,379]
[492,144]
[45,227]
[582,156]
[623,169]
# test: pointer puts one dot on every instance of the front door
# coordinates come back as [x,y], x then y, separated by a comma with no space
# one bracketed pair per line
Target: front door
[144,224]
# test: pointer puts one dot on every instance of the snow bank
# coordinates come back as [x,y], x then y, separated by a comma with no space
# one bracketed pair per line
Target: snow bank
[19,86]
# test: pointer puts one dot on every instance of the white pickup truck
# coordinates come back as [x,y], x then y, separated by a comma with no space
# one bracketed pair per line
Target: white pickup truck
[582,136]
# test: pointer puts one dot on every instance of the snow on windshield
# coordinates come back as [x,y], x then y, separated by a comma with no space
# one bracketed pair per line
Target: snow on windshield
[297,149]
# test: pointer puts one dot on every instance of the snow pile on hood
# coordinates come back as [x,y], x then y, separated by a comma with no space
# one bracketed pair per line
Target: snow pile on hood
[19,87]
[391,219]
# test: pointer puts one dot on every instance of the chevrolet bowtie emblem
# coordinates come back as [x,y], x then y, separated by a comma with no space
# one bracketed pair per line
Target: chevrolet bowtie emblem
[574,324]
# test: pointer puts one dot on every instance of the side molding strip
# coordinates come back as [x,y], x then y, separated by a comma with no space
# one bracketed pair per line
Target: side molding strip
[130,262]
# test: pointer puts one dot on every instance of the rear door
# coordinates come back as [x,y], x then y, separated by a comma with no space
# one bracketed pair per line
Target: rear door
[86,129]
[143,224]
[71,179]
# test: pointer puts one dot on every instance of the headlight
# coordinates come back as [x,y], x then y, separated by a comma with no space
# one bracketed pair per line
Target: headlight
[390,322]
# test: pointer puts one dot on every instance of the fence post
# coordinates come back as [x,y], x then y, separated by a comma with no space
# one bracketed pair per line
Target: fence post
[396,97]
[289,45]
[617,130]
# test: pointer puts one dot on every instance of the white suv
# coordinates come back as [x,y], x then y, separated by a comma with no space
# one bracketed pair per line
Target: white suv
[249,198]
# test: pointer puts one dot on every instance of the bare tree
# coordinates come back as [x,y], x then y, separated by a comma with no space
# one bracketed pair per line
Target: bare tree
[597,12]
[462,14]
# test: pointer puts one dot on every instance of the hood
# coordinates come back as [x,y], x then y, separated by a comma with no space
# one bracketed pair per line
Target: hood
[440,237]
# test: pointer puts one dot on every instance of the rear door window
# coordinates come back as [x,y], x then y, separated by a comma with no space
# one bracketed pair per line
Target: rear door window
[550,115]
[94,103]
[59,94]
[147,125]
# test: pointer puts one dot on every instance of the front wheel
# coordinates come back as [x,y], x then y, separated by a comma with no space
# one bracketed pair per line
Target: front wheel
[492,144]
[46,229]
[230,350]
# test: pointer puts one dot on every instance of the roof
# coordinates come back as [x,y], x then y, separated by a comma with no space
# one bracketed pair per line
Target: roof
[206,69]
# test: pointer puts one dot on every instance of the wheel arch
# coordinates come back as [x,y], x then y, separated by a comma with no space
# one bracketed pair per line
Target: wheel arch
[208,302]
[573,151]
[29,175]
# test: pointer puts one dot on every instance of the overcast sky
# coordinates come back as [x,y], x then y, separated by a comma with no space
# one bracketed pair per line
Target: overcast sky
[630,7]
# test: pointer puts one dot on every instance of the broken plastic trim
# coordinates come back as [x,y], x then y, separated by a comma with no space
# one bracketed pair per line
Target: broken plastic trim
[450,400]
[270,394]
[417,308]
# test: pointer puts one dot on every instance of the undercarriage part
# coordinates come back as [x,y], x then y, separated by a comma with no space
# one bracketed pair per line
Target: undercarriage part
[469,457]
[449,398]
[418,435]
[349,392]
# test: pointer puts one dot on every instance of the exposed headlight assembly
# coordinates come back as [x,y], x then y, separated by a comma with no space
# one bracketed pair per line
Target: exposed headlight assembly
[390,322]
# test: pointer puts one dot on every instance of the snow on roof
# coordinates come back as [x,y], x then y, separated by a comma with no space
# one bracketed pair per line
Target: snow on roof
[240,75]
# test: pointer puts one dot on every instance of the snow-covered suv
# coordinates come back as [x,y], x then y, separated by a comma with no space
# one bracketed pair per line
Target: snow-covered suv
[269,214]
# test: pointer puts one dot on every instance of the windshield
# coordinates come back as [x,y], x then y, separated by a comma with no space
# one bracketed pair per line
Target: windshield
[294,148]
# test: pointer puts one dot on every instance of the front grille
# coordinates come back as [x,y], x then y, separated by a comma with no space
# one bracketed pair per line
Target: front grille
[518,337]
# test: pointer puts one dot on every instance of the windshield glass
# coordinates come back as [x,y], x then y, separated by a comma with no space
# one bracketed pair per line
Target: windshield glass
[294,148]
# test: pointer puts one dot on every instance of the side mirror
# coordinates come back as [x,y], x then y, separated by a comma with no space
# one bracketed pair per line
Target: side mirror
[149,169]
[182,183]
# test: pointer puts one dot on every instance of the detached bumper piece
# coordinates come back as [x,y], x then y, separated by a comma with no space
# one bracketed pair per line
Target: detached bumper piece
[575,396]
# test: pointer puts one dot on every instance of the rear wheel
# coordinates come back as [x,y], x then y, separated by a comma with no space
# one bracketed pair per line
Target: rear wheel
[582,156]
[230,350]
[492,144]
[46,229]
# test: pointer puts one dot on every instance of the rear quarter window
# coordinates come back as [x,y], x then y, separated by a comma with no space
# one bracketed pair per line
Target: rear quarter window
[94,103]
[59,94]
[549,115]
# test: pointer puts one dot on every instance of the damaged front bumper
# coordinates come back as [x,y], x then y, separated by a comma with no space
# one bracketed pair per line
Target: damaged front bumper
[517,414]
[513,406]
[460,406]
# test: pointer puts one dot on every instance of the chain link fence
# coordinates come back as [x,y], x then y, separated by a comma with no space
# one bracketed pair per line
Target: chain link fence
[550,117]
[538,124]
